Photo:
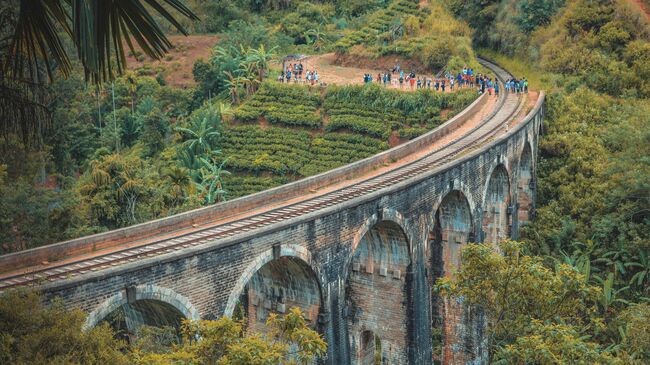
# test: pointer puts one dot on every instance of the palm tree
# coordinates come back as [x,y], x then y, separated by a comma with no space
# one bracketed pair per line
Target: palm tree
[33,42]
[261,58]
[180,180]
[201,137]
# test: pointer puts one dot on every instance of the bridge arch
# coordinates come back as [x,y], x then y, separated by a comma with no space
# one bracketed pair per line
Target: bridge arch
[370,351]
[386,214]
[278,279]
[145,304]
[497,220]
[525,184]
[376,292]
[453,228]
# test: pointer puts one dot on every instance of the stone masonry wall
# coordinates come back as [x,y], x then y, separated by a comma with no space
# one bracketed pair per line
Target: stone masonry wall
[209,279]
[377,297]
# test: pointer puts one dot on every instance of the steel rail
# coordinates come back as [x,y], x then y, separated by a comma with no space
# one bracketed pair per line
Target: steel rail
[488,127]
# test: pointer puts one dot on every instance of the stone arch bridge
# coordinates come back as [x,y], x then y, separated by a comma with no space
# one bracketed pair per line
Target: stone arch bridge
[357,248]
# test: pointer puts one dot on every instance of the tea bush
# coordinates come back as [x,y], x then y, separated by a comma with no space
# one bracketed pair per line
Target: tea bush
[278,150]
[283,104]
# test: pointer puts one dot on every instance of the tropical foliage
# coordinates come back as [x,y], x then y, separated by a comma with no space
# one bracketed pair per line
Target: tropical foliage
[592,203]
[32,333]
[427,33]
[535,314]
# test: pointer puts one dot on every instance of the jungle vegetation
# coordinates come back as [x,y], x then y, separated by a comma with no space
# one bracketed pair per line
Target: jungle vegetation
[593,194]
[135,148]
[84,157]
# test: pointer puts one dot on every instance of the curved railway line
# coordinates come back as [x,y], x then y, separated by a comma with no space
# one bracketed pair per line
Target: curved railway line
[506,110]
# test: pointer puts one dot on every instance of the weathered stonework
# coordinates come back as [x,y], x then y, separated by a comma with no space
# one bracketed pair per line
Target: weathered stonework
[377,297]
[363,269]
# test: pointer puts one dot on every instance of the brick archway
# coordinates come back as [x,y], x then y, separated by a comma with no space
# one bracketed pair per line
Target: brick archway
[276,281]
[453,229]
[497,220]
[142,293]
[377,297]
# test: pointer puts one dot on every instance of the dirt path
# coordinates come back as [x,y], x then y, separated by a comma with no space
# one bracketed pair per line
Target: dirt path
[331,74]
[178,63]
[644,8]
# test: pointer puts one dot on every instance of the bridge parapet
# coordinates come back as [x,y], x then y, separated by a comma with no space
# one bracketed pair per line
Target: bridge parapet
[400,234]
[93,243]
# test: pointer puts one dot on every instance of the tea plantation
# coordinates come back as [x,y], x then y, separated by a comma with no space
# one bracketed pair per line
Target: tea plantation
[286,132]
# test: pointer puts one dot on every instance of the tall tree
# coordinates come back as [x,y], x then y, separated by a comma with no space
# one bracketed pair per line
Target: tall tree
[516,290]
[31,333]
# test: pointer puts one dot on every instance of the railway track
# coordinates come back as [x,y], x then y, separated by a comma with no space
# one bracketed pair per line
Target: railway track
[475,138]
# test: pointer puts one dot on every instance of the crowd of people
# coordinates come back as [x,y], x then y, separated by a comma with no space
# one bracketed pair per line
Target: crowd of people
[295,72]
[396,77]
[466,78]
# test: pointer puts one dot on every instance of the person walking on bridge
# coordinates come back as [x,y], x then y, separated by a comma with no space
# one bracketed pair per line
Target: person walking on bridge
[525,85]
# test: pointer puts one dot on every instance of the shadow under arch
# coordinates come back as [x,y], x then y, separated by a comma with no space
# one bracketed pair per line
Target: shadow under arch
[141,305]
[497,218]
[525,186]
[273,283]
[453,229]
[377,294]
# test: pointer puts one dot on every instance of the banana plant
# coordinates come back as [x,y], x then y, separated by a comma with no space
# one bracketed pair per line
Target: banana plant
[261,58]
[200,137]
[316,37]
[233,82]
[615,260]
[580,258]
[610,295]
[211,185]
[642,263]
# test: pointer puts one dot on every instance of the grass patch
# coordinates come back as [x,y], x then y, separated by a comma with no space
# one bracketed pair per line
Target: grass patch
[537,79]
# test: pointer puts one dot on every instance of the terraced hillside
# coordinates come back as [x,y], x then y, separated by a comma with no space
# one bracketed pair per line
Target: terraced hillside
[381,23]
[286,132]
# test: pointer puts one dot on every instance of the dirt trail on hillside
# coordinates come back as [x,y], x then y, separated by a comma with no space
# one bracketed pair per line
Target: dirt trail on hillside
[177,64]
[331,74]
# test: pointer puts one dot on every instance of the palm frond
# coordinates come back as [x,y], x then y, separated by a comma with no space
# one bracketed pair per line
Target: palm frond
[36,38]
[99,30]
